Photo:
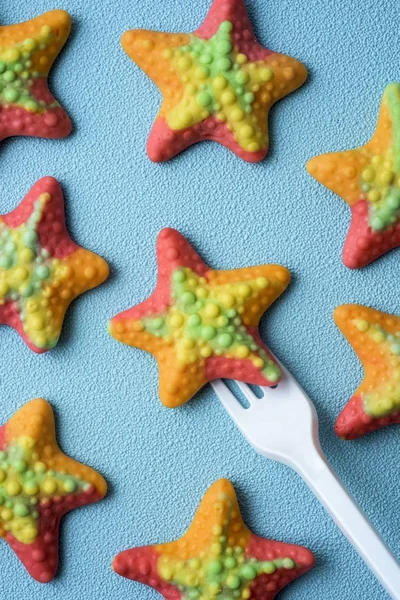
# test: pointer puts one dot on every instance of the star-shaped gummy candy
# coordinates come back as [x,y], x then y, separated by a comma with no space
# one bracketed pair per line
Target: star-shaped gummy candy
[202,324]
[41,269]
[38,485]
[368,179]
[27,52]
[218,558]
[218,83]
[375,337]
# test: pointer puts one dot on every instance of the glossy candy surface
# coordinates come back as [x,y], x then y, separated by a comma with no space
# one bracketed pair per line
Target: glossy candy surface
[218,83]
[368,179]
[38,485]
[27,52]
[202,324]
[41,269]
[218,558]
[375,337]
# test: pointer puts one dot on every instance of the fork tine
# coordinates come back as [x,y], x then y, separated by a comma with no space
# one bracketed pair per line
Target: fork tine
[230,402]
[246,391]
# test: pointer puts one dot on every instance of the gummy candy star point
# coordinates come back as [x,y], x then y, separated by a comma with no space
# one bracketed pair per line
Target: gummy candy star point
[27,52]
[368,179]
[218,557]
[41,269]
[375,337]
[202,324]
[218,83]
[38,485]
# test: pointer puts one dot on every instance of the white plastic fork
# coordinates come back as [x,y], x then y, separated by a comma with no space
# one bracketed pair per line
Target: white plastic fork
[283,425]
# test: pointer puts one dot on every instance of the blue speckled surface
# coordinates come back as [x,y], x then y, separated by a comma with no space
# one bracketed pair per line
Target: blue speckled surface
[158,463]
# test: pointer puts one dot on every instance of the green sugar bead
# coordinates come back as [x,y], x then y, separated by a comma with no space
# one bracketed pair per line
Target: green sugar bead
[396,348]
[393,200]
[30,237]
[204,99]
[215,567]
[9,248]
[20,466]
[288,563]
[188,298]
[5,261]
[10,95]
[43,272]
[208,332]
[9,76]
[31,105]
[226,27]
[26,290]
[2,66]
[273,375]
[69,485]
[223,46]
[268,568]
[157,323]
[194,320]
[224,64]
[242,77]
[248,97]
[206,59]
[377,223]
[230,562]
[233,582]
[225,340]
[21,510]
[248,572]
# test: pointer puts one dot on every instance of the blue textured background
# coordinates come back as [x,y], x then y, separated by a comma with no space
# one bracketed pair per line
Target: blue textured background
[158,463]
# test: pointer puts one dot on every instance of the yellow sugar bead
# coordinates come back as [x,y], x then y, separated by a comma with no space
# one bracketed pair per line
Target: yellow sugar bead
[29,533]
[176,321]
[219,83]
[4,288]
[374,196]
[211,310]
[258,362]
[362,325]
[378,337]
[188,343]
[242,351]
[31,489]
[6,514]
[206,351]
[227,299]
[266,74]
[26,255]
[386,177]
[246,131]
[377,160]
[20,274]
[13,487]
[262,282]
[368,175]
[49,486]
[241,59]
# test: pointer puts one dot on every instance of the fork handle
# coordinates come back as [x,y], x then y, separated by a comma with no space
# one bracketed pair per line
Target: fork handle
[352,521]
